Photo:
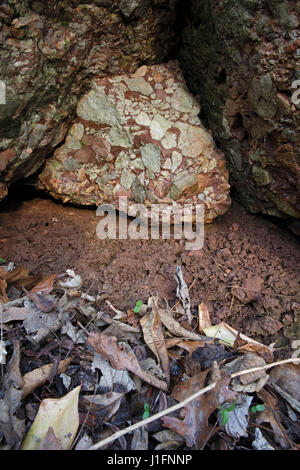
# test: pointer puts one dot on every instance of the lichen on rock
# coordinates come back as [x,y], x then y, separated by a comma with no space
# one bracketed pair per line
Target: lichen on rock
[139,135]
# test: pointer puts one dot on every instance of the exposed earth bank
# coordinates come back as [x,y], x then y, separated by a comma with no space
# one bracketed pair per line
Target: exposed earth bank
[247,272]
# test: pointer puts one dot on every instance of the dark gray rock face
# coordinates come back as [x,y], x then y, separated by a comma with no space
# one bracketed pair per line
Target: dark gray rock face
[49,53]
[242,56]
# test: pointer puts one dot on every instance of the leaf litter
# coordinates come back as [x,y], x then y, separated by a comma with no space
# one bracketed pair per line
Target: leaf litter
[73,375]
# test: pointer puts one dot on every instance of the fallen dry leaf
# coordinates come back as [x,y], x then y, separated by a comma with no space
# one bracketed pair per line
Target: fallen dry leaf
[237,423]
[45,303]
[3,295]
[140,439]
[251,382]
[73,281]
[167,436]
[195,427]
[204,318]
[112,379]
[121,330]
[154,338]
[12,428]
[171,342]
[38,377]
[45,286]
[20,277]
[192,346]
[15,314]
[106,405]
[3,352]
[13,375]
[287,377]
[59,414]
[38,324]
[146,324]
[184,389]
[173,326]
[271,415]
[259,349]
[228,335]
[121,358]
[260,443]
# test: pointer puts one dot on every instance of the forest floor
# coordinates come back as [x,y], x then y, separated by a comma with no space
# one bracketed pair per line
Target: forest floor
[47,237]
[247,273]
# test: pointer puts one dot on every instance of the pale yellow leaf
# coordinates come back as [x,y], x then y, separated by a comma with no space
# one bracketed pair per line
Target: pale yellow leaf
[204,318]
[228,335]
[221,332]
[62,415]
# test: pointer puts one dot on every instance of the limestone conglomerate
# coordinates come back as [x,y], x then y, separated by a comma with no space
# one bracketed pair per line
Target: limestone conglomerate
[139,135]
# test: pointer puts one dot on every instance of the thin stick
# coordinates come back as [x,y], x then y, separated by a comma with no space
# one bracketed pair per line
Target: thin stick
[144,422]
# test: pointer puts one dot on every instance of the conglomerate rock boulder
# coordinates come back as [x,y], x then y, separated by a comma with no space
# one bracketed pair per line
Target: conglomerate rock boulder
[49,52]
[139,135]
[242,56]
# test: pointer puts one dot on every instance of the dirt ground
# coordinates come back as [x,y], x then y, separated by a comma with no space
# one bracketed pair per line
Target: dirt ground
[248,271]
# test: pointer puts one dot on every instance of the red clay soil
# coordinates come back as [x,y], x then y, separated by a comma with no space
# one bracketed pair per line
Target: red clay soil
[248,271]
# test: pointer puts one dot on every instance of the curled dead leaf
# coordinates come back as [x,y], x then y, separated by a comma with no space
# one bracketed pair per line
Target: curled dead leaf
[38,377]
[45,286]
[154,337]
[228,336]
[251,382]
[121,358]
[173,326]
[45,303]
[204,318]
[271,414]
[20,277]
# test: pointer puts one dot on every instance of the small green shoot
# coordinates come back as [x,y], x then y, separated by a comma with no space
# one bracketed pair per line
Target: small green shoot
[146,411]
[257,408]
[138,305]
[2,260]
[225,413]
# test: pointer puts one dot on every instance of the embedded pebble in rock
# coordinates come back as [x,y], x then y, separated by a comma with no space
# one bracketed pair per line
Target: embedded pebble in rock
[134,138]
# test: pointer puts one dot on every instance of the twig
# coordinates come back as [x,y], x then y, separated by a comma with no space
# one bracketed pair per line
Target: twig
[113,308]
[144,422]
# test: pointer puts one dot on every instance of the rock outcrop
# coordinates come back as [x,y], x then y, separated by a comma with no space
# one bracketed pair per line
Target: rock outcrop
[242,56]
[49,52]
[139,135]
